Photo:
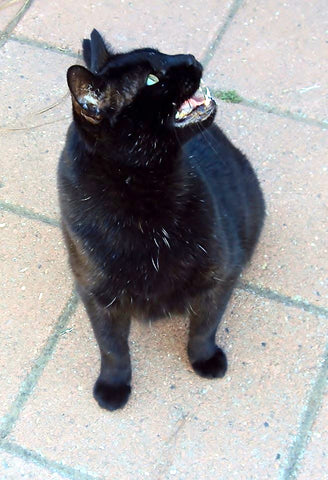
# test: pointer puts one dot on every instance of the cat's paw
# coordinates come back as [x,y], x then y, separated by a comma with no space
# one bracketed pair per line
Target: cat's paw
[111,397]
[215,367]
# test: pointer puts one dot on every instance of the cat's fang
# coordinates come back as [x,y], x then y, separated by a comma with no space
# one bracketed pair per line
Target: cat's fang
[208,97]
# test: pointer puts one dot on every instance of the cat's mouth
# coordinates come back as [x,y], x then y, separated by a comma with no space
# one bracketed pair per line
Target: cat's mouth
[196,109]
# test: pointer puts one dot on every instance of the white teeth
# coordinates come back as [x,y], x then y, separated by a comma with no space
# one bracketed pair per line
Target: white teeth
[201,89]
[208,97]
[206,93]
[179,115]
[182,113]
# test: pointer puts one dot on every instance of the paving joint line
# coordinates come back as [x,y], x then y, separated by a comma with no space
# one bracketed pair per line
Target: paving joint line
[28,384]
[208,55]
[310,412]
[5,34]
[51,465]
[283,299]
[24,212]
[231,96]
[22,40]
[302,118]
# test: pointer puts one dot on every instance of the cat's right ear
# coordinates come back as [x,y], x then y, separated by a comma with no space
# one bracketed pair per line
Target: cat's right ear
[86,93]
[95,52]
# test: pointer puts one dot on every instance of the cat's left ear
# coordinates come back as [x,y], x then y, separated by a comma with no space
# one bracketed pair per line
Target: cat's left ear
[86,93]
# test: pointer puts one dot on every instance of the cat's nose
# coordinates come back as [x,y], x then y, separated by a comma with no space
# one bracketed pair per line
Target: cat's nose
[192,62]
[186,60]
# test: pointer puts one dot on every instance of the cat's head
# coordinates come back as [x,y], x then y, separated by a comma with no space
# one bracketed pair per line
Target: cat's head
[141,89]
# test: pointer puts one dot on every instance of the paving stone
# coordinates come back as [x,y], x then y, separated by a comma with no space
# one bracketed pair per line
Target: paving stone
[32,81]
[315,462]
[8,11]
[14,468]
[275,52]
[176,421]
[176,27]
[290,159]
[35,285]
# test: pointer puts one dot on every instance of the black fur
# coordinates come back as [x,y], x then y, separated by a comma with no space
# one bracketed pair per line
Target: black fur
[159,216]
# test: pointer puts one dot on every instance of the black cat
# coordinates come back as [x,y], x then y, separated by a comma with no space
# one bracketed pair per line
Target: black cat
[159,210]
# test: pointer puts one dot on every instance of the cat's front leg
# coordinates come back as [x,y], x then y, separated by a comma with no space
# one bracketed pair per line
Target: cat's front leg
[206,311]
[111,328]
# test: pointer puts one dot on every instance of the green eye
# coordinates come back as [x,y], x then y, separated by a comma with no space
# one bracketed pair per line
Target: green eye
[152,79]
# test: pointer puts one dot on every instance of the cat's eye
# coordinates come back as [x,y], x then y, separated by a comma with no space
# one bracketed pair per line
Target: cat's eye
[152,79]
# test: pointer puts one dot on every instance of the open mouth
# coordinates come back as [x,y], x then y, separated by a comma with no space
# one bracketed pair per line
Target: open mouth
[196,109]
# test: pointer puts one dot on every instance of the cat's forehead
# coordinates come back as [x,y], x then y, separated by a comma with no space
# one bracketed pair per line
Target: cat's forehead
[149,58]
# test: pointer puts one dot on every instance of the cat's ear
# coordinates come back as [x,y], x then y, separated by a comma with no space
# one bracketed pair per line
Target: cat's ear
[95,52]
[86,93]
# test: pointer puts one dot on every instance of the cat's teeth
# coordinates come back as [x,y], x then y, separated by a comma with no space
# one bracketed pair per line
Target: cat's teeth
[201,89]
[208,97]
[179,115]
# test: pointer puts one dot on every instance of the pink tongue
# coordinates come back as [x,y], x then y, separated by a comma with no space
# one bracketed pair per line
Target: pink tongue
[193,102]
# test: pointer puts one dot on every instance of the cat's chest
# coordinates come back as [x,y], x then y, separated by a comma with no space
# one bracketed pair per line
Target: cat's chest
[157,262]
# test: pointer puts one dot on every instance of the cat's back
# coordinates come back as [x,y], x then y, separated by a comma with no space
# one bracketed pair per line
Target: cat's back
[231,182]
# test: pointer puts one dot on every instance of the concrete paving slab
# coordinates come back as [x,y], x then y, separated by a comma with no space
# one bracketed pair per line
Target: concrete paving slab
[14,468]
[315,461]
[33,88]
[35,284]
[32,81]
[274,52]
[8,11]
[176,27]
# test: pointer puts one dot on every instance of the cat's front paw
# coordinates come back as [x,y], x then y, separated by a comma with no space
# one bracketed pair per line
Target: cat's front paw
[111,397]
[214,367]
